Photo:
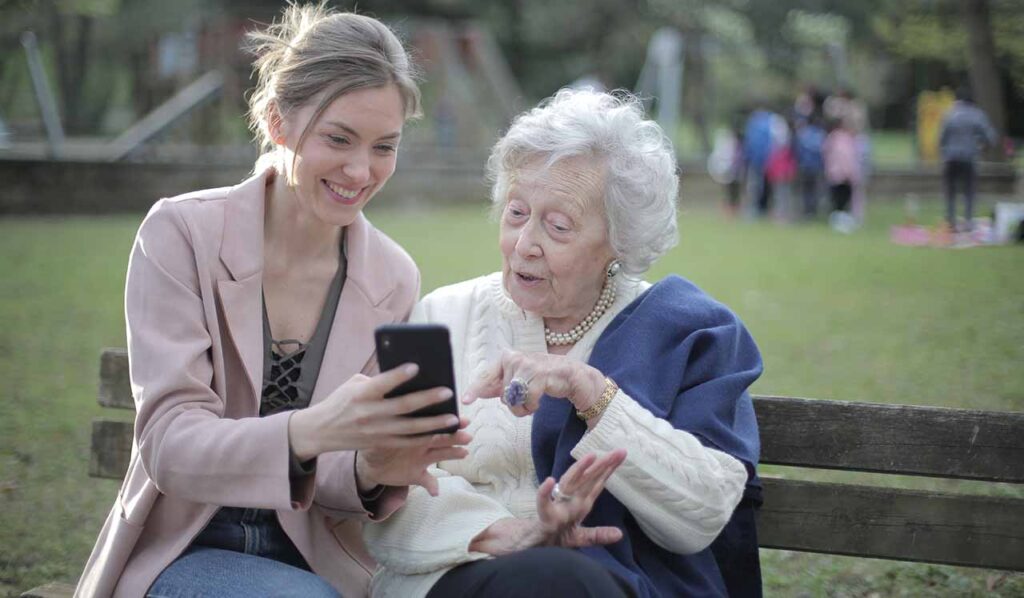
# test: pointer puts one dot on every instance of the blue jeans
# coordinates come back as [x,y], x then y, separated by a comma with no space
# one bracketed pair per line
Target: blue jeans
[241,552]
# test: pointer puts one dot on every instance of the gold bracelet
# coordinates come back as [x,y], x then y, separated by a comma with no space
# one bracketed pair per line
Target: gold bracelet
[610,388]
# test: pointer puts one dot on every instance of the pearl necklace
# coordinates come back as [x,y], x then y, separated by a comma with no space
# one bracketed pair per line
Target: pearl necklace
[573,336]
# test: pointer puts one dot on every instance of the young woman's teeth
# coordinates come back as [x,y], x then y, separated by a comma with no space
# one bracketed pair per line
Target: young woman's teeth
[343,191]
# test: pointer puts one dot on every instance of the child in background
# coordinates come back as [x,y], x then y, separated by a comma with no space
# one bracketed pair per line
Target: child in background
[781,172]
[842,172]
[810,137]
[758,141]
[727,166]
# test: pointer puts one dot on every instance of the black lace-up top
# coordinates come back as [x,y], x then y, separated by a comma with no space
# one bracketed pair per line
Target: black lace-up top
[291,367]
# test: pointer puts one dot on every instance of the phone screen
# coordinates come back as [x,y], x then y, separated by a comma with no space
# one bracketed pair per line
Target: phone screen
[428,346]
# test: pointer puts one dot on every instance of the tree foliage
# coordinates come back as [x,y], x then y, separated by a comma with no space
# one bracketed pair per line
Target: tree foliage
[736,48]
[934,30]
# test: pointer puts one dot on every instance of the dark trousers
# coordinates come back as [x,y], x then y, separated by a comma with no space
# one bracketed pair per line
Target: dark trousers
[736,550]
[732,193]
[841,195]
[958,173]
[531,573]
[810,191]
[764,198]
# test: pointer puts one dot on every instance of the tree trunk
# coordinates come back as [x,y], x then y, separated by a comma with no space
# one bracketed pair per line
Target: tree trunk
[138,61]
[9,81]
[71,36]
[984,75]
[79,63]
[515,39]
[695,87]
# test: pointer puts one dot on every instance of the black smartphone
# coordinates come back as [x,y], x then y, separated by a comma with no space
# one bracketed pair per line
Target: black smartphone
[428,346]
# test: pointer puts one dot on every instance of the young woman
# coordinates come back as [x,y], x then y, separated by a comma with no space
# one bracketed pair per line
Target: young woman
[262,441]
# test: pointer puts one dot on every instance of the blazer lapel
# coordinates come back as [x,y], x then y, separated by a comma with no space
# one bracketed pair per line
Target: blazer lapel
[242,254]
[350,344]
[243,315]
[368,282]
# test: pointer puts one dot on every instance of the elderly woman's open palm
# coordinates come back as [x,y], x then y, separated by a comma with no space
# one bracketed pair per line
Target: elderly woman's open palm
[561,508]
[562,513]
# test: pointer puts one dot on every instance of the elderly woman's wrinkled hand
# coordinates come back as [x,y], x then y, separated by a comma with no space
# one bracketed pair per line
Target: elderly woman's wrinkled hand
[520,379]
[559,516]
[563,505]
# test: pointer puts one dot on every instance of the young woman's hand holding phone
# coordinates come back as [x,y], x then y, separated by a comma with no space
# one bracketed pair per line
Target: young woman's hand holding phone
[396,449]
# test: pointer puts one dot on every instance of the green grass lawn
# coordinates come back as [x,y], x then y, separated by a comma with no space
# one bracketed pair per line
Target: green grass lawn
[840,317]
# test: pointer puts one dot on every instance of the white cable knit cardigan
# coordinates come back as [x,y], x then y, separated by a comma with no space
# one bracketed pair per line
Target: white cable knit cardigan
[680,492]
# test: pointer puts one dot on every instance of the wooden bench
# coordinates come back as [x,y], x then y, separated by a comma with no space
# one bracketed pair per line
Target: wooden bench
[833,518]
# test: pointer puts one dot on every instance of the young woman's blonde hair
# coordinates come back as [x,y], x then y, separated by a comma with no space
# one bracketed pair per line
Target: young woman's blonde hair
[315,52]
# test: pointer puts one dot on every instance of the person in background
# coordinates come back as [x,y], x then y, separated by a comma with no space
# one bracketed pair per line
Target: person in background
[727,166]
[758,142]
[852,113]
[781,172]
[842,172]
[624,441]
[810,139]
[803,105]
[808,105]
[846,107]
[263,440]
[964,132]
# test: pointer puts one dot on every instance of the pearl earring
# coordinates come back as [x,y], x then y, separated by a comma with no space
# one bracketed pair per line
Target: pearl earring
[613,268]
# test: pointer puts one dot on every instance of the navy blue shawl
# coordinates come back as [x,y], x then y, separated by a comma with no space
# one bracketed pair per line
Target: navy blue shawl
[687,359]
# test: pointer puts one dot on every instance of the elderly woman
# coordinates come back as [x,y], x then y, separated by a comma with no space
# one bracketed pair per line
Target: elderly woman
[631,395]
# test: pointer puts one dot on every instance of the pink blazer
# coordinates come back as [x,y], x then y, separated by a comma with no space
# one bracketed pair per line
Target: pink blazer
[194,321]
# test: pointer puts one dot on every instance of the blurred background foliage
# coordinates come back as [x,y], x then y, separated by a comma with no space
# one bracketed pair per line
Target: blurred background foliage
[112,61]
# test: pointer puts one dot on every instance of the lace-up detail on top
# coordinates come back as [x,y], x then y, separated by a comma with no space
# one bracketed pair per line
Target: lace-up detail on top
[280,388]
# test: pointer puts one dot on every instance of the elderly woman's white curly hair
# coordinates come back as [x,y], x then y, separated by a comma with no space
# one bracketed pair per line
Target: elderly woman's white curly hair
[641,186]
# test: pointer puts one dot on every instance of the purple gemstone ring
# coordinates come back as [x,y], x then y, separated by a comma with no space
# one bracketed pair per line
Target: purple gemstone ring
[515,393]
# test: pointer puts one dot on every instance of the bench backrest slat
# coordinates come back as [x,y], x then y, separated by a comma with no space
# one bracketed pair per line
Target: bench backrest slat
[115,389]
[952,529]
[111,448]
[897,439]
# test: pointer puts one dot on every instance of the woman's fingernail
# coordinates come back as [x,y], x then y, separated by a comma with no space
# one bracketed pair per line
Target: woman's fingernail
[410,369]
[445,393]
[452,421]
